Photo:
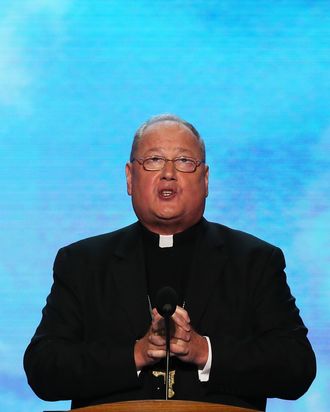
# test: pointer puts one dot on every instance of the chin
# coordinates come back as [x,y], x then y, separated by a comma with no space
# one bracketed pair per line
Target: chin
[168,215]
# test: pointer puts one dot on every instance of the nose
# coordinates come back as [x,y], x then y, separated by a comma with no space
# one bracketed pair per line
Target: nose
[169,171]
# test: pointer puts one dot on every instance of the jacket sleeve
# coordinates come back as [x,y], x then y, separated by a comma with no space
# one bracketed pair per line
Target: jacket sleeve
[60,362]
[275,359]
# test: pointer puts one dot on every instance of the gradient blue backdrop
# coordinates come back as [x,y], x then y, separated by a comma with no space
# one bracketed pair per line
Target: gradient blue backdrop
[78,77]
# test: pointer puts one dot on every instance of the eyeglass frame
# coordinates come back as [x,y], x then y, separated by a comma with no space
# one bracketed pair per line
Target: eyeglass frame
[142,160]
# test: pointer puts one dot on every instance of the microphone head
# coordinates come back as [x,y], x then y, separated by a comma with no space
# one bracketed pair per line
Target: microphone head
[166,301]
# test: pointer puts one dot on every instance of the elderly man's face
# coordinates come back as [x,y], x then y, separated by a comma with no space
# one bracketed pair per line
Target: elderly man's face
[167,201]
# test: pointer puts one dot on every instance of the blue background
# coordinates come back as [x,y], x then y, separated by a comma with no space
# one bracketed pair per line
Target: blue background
[78,77]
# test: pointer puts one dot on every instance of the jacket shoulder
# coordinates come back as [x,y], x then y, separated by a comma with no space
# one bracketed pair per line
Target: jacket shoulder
[245,250]
[98,246]
[237,239]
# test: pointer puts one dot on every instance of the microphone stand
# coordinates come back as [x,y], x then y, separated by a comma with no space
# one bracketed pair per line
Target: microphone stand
[166,302]
[167,372]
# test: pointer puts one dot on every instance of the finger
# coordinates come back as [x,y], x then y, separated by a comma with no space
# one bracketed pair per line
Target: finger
[158,329]
[178,311]
[181,321]
[183,313]
[156,339]
[156,353]
[181,334]
[179,348]
[156,315]
[158,325]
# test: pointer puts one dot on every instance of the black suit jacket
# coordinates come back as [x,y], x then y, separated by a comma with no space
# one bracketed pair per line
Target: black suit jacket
[83,348]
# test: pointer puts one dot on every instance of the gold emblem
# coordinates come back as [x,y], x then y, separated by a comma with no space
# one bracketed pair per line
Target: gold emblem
[171,392]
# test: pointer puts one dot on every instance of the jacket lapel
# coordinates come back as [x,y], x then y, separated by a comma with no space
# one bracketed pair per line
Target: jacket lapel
[128,270]
[208,265]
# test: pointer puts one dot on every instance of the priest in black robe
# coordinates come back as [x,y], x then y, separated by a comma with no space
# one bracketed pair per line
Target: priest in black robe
[236,334]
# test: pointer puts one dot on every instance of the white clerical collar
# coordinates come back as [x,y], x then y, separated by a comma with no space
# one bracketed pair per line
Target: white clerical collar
[165,241]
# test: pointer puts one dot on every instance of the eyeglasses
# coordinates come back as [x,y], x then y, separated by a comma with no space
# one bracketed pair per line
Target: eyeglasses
[182,164]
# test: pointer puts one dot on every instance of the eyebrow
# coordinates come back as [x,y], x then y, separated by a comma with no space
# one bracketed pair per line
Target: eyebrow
[179,149]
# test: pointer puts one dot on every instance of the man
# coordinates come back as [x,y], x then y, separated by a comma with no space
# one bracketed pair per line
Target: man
[236,335]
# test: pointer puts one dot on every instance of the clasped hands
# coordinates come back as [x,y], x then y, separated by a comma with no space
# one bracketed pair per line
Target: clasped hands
[185,343]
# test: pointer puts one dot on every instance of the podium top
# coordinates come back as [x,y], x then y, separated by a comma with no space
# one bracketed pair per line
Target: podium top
[162,406]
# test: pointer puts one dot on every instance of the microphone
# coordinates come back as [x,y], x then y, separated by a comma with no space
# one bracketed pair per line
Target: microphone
[166,302]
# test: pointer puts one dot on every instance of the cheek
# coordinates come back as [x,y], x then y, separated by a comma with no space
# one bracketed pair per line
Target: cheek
[143,186]
[195,187]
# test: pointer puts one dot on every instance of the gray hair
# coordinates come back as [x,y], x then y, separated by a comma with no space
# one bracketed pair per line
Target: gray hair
[163,118]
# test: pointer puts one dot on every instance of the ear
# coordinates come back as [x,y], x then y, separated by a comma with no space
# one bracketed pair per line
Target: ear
[128,172]
[206,180]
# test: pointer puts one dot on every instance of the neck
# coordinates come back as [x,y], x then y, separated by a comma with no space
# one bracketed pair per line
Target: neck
[168,228]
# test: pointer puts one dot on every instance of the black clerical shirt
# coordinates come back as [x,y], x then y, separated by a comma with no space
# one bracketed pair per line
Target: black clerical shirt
[169,266]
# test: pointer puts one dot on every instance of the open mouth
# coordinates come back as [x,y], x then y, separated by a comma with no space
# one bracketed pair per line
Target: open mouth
[167,193]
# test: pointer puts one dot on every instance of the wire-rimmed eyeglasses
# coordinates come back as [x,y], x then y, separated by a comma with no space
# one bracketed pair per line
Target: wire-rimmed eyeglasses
[182,164]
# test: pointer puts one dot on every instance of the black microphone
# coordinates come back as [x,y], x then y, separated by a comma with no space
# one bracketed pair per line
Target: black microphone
[166,301]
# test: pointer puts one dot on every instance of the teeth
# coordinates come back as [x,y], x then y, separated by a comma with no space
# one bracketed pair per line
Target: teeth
[167,193]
